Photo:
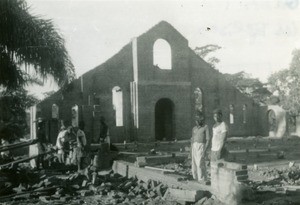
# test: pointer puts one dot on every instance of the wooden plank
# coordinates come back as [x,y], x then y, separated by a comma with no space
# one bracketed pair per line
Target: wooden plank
[17,145]
[8,197]
[23,160]
[160,169]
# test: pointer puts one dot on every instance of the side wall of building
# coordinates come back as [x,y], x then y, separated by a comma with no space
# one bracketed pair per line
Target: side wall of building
[218,93]
[92,92]
[93,95]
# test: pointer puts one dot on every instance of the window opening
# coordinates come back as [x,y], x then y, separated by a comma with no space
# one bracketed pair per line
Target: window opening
[117,100]
[162,55]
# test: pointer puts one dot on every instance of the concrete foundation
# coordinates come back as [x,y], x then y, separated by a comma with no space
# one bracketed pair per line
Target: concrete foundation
[226,180]
[130,170]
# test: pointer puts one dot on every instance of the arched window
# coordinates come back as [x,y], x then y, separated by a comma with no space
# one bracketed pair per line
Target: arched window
[244,113]
[162,55]
[55,111]
[231,114]
[117,101]
[198,101]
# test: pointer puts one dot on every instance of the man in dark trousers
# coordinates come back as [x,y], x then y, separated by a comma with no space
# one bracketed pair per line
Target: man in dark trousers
[103,130]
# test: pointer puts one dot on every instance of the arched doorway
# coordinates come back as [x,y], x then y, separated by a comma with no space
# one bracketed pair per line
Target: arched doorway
[164,122]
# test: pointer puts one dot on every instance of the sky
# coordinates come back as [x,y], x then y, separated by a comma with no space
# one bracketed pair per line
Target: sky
[256,36]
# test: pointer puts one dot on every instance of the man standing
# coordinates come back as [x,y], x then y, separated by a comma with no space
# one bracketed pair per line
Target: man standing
[81,144]
[103,130]
[200,142]
[220,130]
[60,144]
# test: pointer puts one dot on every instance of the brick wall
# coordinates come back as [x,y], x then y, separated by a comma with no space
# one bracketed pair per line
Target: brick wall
[178,85]
[227,181]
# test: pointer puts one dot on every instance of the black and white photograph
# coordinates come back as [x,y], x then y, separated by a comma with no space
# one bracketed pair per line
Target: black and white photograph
[171,102]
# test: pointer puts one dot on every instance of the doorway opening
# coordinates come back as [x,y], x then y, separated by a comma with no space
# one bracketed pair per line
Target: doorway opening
[164,119]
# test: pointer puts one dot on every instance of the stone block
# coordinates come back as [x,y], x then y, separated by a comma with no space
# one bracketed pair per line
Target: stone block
[84,183]
[183,195]
[48,183]
[242,178]
[128,185]
[152,194]
[201,201]
[45,199]
[19,189]
[56,196]
[86,192]
[75,186]
[241,172]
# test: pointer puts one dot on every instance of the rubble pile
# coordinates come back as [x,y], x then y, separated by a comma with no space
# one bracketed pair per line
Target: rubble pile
[287,176]
[120,189]
[53,187]
[24,186]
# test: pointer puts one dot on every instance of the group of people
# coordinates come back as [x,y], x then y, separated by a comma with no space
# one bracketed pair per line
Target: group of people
[72,140]
[201,140]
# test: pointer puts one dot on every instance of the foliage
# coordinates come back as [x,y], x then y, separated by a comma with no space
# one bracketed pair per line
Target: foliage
[287,84]
[13,105]
[48,94]
[204,52]
[27,40]
[31,49]
[252,87]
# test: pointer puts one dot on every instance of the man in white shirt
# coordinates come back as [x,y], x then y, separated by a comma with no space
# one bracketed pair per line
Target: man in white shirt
[60,144]
[219,130]
[81,144]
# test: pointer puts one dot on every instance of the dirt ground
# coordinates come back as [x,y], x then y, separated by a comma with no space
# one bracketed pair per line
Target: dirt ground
[273,169]
[273,164]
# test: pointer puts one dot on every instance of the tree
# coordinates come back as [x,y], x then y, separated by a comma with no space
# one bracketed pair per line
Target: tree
[251,87]
[204,52]
[13,117]
[286,83]
[27,40]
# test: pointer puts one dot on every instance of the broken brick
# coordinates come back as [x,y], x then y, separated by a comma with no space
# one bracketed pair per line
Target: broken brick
[84,183]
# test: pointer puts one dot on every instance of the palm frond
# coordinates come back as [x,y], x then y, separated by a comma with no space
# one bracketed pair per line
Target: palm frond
[30,40]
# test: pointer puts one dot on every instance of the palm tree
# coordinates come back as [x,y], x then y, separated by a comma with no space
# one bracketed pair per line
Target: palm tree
[28,40]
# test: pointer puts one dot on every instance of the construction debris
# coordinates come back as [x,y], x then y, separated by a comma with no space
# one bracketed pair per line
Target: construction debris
[53,188]
[161,178]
